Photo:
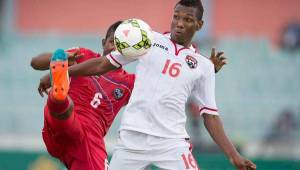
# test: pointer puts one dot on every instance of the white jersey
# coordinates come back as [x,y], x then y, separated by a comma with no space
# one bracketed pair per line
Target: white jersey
[166,77]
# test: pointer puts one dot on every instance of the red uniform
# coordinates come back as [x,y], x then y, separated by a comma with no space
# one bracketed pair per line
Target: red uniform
[78,141]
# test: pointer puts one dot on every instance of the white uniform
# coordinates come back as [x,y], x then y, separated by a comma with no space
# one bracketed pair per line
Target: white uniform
[166,77]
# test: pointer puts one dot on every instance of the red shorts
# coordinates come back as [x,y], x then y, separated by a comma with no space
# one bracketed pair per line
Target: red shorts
[74,143]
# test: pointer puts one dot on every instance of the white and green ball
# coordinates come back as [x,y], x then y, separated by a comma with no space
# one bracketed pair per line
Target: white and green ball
[133,38]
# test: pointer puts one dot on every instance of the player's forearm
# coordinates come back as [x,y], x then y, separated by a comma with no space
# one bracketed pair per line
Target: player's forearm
[41,62]
[96,66]
[215,128]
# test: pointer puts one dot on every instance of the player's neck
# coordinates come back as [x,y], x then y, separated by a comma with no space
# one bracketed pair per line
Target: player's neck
[186,44]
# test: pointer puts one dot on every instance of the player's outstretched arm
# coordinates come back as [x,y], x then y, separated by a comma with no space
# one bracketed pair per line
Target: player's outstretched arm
[42,61]
[218,59]
[215,128]
[91,67]
[95,66]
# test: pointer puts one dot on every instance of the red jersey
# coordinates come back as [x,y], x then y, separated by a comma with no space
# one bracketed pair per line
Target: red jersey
[101,96]
[97,100]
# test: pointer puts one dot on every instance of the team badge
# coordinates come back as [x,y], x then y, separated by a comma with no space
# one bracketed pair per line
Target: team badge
[118,93]
[191,61]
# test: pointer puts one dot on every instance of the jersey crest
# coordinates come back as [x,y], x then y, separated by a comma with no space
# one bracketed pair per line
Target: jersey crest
[191,61]
[118,93]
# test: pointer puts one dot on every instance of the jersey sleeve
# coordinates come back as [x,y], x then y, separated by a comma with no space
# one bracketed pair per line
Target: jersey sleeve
[117,59]
[131,79]
[72,49]
[86,54]
[203,93]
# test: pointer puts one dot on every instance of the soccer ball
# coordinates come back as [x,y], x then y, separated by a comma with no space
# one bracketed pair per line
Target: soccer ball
[133,38]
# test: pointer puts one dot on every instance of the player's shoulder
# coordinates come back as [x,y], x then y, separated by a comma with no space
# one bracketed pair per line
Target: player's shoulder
[82,50]
[158,35]
[163,39]
[204,62]
[87,53]
[155,33]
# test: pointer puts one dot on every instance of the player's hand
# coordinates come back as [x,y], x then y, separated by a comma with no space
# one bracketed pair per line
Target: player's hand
[73,56]
[242,164]
[219,60]
[44,85]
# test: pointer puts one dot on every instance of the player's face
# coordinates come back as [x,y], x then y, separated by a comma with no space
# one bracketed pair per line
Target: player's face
[184,25]
[108,44]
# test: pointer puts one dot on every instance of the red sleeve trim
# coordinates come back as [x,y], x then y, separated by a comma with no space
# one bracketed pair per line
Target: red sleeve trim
[115,60]
[176,49]
[72,49]
[210,109]
[196,48]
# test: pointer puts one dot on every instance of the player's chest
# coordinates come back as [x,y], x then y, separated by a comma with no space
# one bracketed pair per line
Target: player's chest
[163,63]
[100,94]
[109,90]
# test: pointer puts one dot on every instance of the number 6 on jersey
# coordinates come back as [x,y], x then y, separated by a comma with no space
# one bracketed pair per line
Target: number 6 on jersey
[96,100]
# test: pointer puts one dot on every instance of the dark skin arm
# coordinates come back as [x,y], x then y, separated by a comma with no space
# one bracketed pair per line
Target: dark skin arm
[214,126]
[95,66]
[42,61]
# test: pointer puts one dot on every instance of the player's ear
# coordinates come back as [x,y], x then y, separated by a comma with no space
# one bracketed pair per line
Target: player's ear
[199,24]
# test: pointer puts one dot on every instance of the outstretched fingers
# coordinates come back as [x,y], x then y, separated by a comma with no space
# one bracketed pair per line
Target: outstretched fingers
[222,60]
[250,165]
[213,52]
[73,56]
[219,54]
[44,85]
[218,59]
[42,89]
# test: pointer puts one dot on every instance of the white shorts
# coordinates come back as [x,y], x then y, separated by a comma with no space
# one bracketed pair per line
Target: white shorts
[138,151]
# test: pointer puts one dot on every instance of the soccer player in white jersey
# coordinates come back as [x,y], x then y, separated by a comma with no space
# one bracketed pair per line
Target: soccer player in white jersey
[152,129]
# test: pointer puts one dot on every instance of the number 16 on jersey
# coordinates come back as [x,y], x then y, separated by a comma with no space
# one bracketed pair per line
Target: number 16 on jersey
[172,69]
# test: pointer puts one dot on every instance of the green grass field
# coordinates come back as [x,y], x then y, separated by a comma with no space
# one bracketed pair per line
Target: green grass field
[13,160]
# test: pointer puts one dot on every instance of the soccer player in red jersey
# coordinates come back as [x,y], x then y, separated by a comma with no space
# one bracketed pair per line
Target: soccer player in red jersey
[78,113]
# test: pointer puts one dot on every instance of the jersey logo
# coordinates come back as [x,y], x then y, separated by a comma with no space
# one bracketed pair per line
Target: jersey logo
[118,93]
[160,46]
[191,61]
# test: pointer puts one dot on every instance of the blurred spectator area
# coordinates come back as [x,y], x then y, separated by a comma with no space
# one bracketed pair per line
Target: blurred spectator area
[256,18]
[92,16]
[251,91]
[1,13]
[290,38]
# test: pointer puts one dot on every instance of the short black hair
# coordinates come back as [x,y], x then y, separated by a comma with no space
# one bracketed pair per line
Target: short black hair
[193,3]
[112,28]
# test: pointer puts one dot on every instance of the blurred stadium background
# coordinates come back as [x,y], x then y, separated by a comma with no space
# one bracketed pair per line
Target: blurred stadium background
[258,92]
